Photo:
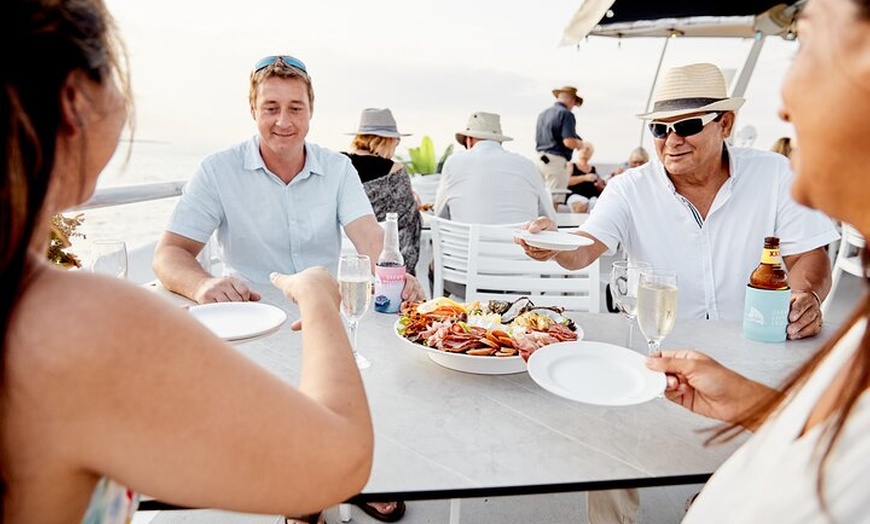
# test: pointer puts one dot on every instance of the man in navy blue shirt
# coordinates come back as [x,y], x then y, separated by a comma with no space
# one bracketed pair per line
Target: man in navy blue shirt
[556,138]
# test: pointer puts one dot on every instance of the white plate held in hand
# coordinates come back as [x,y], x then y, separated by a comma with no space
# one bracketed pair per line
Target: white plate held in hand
[554,240]
[238,320]
[595,373]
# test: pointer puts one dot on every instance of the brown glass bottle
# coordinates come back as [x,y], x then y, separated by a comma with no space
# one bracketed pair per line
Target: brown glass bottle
[771,272]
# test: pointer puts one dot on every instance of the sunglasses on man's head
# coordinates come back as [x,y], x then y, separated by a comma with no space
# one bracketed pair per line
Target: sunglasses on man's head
[685,127]
[287,59]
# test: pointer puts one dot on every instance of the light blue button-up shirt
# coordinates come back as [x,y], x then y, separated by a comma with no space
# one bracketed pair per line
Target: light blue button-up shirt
[263,224]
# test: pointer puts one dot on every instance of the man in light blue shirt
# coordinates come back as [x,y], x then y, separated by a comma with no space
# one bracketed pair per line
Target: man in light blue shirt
[277,202]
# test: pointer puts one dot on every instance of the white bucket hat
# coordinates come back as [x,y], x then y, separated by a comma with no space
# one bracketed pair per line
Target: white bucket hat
[695,88]
[378,122]
[486,126]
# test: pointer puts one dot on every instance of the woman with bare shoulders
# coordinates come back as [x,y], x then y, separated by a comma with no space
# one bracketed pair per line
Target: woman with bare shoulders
[108,390]
[809,457]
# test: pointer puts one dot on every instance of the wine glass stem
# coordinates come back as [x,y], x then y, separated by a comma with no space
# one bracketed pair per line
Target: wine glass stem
[630,329]
[352,325]
[653,346]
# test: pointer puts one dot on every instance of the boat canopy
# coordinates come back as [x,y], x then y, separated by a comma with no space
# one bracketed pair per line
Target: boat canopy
[642,18]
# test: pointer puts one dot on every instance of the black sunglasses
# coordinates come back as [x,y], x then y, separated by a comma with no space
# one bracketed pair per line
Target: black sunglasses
[686,127]
[287,59]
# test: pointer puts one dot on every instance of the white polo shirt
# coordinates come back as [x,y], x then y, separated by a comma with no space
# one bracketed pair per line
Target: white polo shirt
[714,257]
[488,185]
[263,224]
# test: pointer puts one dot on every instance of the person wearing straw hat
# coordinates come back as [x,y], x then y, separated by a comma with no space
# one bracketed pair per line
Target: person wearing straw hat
[485,184]
[556,139]
[386,183]
[277,202]
[703,209]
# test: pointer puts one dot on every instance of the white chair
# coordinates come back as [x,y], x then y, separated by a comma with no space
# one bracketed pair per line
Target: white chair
[449,253]
[848,260]
[493,267]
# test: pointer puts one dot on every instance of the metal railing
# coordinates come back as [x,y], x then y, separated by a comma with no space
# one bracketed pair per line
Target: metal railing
[116,196]
[139,258]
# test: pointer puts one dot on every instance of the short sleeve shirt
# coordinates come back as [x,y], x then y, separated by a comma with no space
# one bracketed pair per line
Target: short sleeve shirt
[555,124]
[714,257]
[263,224]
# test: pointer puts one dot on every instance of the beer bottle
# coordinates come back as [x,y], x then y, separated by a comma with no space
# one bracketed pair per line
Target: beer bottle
[771,272]
[390,270]
[765,311]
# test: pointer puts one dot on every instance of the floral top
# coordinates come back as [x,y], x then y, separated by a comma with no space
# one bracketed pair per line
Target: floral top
[111,503]
[391,192]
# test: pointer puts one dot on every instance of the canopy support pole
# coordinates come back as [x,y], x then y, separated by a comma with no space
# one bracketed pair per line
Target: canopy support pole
[748,66]
[652,88]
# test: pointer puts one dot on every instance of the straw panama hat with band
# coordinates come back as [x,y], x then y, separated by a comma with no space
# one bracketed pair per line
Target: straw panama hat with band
[571,90]
[486,126]
[695,88]
[378,122]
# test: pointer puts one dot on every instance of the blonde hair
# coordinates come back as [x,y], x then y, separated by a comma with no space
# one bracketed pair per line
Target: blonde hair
[375,144]
[782,146]
[279,68]
[639,154]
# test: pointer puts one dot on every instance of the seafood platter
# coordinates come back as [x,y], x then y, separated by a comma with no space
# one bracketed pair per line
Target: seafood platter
[489,338]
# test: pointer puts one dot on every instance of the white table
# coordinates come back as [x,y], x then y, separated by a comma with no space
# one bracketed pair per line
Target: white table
[442,434]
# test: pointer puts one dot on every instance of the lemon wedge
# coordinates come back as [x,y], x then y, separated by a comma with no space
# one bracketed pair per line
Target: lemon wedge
[431,305]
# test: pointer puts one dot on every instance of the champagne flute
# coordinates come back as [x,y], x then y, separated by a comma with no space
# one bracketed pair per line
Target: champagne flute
[623,288]
[656,305]
[355,282]
[109,257]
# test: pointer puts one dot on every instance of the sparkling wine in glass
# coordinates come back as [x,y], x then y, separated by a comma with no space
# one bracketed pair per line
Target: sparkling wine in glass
[355,283]
[109,257]
[656,305]
[623,287]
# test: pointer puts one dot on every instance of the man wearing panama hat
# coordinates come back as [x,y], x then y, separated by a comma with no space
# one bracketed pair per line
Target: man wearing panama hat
[703,208]
[556,139]
[486,184]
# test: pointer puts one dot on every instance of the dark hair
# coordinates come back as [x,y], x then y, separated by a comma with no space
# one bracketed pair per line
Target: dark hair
[44,41]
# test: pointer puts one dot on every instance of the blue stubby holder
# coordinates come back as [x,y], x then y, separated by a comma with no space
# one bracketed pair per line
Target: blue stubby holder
[765,314]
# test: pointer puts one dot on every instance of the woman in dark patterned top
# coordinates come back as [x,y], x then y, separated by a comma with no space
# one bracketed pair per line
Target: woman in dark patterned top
[386,183]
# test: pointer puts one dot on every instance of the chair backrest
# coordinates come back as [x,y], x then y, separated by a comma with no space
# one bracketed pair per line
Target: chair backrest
[847,260]
[449,252]
[493,267]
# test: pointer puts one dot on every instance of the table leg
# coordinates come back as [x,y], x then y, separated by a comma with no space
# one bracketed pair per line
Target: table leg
[454,510]
[344,512]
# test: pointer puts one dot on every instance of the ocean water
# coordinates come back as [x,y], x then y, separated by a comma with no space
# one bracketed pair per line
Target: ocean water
[139,162]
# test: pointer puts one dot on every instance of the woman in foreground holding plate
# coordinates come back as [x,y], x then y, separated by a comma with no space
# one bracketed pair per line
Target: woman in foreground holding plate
[109,390]
[809,460]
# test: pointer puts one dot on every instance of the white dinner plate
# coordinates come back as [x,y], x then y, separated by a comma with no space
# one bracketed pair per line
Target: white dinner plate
[554,240]
[479,365]
[238,320]
[595,373]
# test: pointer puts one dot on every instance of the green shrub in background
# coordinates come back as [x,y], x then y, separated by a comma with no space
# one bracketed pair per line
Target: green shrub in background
[422,160]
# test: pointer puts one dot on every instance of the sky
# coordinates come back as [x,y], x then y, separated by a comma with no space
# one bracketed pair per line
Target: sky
[432,63]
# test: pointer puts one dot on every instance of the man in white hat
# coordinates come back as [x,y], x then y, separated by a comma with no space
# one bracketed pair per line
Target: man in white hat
[276,201]
[703,208]
[556,139]
[486,184]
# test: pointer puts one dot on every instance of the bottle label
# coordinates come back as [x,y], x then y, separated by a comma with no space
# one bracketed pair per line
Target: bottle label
[765,314]
[770,256]
[389,283]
